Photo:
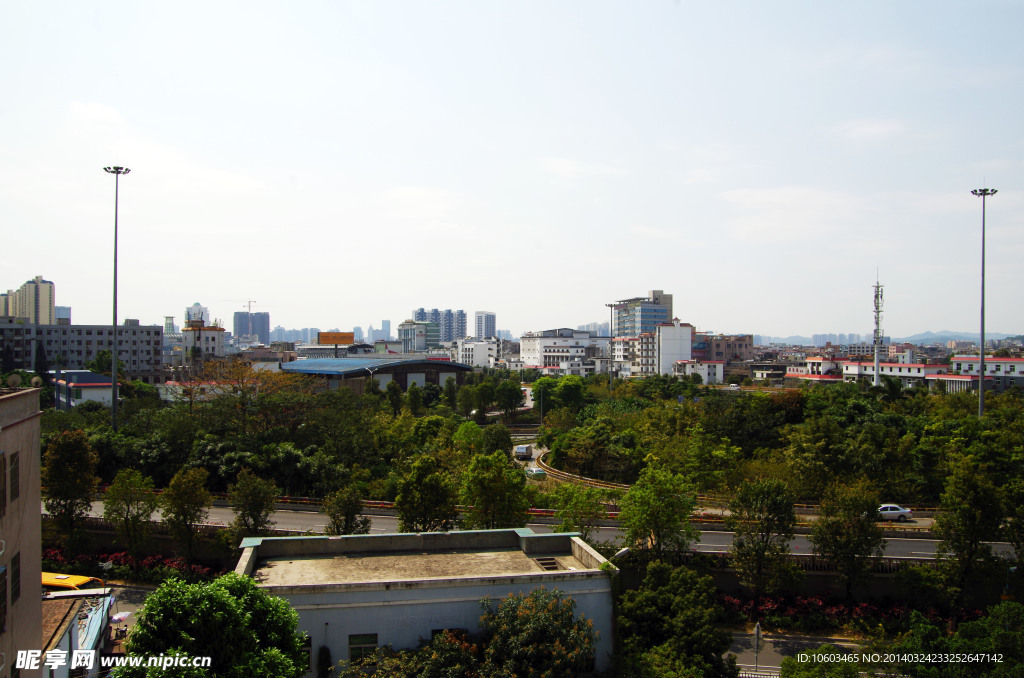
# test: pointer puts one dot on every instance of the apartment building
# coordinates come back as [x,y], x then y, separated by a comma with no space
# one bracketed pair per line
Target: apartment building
[140,347]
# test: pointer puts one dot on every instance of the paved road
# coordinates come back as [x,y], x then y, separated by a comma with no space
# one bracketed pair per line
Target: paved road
[711,541]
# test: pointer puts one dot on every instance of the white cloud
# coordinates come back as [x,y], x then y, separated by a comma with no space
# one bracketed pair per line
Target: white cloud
[571,169]
[791,212]
[870,129]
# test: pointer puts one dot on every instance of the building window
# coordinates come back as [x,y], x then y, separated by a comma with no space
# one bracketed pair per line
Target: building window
[15,578]
[15,474]
[361,645]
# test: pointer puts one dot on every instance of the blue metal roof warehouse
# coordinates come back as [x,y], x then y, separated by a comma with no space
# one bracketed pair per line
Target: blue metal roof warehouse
[354,372]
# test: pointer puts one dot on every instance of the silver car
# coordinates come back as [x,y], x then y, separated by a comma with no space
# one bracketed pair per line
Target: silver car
[894,512]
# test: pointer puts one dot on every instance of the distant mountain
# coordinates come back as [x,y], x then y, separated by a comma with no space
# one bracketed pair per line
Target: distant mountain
[947,335]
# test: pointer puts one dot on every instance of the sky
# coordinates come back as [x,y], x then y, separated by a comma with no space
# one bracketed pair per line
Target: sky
[339,163]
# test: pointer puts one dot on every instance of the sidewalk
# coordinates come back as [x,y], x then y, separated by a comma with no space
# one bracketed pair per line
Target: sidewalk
[775,647]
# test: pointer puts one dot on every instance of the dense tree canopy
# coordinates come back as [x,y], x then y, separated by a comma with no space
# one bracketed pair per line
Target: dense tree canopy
[246,632]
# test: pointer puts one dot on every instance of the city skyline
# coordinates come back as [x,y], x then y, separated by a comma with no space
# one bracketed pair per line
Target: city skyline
[761,163]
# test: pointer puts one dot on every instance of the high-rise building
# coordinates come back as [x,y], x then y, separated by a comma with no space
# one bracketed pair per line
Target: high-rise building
[486,324]
[240,328]
[357,334]
[63,315]
[197,312]
[451,324]
[35,300]
[640,315]
[169,326]
[385,330]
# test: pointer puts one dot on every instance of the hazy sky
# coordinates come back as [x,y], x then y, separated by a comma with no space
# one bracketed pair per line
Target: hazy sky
[343,162]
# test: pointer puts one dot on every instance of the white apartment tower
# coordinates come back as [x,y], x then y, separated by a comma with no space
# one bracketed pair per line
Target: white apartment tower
[486,325]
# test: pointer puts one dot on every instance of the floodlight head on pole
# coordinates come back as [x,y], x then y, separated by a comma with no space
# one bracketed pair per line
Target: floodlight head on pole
[984,191]
[117,171]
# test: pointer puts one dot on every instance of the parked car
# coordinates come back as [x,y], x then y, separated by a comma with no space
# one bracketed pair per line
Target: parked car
[894,512]
[536,473]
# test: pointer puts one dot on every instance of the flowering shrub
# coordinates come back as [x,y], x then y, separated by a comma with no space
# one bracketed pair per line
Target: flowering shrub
[814,613]
[149,570]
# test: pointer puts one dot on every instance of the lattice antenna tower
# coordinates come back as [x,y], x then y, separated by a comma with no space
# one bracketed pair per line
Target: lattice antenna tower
[878,329]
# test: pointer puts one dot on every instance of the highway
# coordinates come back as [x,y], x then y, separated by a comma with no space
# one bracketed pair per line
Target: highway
[711,541]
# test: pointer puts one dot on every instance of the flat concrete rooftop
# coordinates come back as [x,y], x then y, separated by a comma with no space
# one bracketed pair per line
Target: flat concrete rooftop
[351,568]
[282,562]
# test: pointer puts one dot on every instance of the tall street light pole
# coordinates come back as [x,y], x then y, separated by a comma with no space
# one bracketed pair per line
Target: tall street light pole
[117,172]
[984,193]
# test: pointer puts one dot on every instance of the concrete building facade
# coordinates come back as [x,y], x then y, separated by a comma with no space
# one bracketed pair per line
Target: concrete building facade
[633,317]
[20,526]
[140,347]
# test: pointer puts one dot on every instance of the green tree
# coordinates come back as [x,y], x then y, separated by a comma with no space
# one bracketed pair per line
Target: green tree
[42,363]
[101,364]
[996,641]
[509,396]
[847,533]
[451,392]
[485,395]
[129,503]
[673,621]
[579,508]
[395,397]
[1013,512]
[7,359]
[497,438]
[414,399]
[571,392]
[656,513]
[185,505]
[544,399]
[970,516]
[245,632]
[536,635]
[426,498]
[469,438]
[69,476]
[762,519]
[342,508]
[252,499]
[465,400]
[821,664]
[495,489]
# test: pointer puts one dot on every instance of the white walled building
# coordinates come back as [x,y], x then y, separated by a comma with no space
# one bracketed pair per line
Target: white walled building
[673,342]
[909,374]
[209,340]
[1004,372]
[475,352]
[710,371]
[549,348]
[356,593]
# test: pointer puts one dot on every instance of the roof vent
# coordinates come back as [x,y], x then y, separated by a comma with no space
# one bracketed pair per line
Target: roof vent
[548,564]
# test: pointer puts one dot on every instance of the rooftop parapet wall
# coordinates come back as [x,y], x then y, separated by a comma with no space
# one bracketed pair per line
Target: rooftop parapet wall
[525,539]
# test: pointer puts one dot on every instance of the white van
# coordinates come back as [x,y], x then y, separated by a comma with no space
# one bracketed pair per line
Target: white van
[524,452]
